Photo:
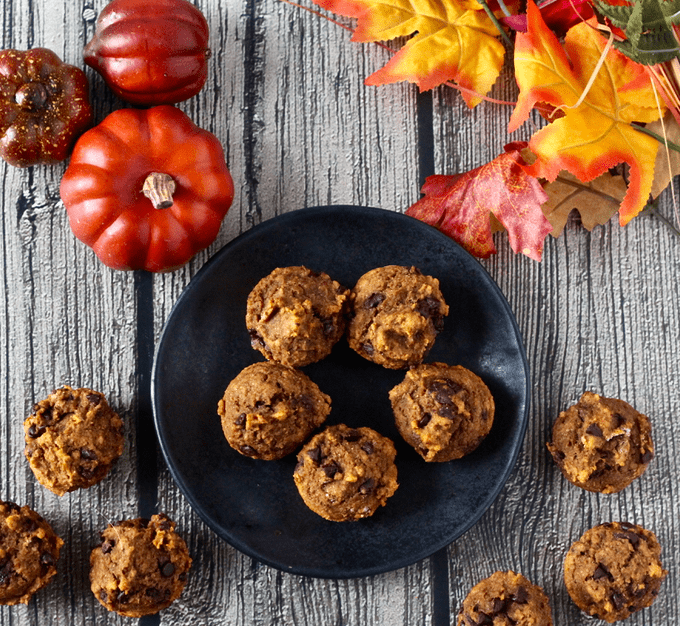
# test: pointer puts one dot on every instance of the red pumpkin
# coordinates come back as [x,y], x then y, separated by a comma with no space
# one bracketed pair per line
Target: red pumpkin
[44,106]
[151,51]
[147,189]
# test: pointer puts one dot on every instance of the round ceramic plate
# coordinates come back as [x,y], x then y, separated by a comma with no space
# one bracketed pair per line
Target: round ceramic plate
[254,505]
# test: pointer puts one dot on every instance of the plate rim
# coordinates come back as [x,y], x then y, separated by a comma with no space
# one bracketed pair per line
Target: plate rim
[314,572]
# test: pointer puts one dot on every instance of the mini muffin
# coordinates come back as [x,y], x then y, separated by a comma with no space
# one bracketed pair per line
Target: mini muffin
[505,598]
[614,570]
[601,444]
[73,439]
[29,550]
[443,411]
[295,316]
[396,314]
[345,474]
[269,410]
[140,566]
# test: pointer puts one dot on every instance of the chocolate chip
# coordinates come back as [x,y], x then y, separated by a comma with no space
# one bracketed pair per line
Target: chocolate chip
[634,538]
[352,436]
[647,456]
[86,472]
[307,403]
[627,525]
[443,390]
[619,420]
[182,576]
[240,420]
[601,572]
[167,569]
[93,398]
[560,455]
[255,340]
[595,430]
[46,559]
[6,571]
[447,412]
[248,450]
[315,454]
[165,523]
[156,595]
[522,596]
[87,454]
[424,420]
[618,600]
[328,327]
[484,620]
[102,595]
[331,469]
[35,431]
[497,605]
[107,546]
[299,465]
[368,349]
[367,447]
[122,597]
[368,486]
[374,300]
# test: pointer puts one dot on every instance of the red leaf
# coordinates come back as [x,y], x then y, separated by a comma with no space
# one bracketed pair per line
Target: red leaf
[559,15]
[461,206]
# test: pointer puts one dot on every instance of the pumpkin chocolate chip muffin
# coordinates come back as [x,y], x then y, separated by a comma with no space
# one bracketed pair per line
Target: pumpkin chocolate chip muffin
[602,444]
[396,314]
[295,315]
[140,566]
[269,410]
[29,550]
[73,439]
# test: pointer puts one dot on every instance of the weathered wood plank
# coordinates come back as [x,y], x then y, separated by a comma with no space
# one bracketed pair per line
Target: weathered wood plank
[299,129]
[600,313]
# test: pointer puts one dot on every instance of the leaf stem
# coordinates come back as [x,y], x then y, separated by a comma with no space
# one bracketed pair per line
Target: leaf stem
[659,138]
[496,23]
[652,210]
[582,187]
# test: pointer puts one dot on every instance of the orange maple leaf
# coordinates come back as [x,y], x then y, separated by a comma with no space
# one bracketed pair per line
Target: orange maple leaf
[455,40]
[595,133]
[462,205]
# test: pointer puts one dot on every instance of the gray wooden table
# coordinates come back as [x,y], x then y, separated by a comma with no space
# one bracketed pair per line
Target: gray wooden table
[285,95]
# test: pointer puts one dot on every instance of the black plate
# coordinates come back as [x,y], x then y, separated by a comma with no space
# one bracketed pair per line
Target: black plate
[254,505]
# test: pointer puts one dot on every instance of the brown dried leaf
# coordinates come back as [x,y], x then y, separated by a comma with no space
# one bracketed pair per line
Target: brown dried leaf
[662,173]
[596,201]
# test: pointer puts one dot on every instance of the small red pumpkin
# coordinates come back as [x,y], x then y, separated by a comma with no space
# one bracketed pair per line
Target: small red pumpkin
[151,51]
[147,189]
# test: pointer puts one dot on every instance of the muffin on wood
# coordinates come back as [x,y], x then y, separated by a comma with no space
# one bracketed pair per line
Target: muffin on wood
[140,566]
[73,438]
[505,598]
[29,550]
[613,570]
[602,444]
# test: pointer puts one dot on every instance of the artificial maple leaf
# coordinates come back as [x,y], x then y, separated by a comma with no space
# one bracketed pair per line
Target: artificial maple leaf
[559,15]
[455,40]
[595,201]
[461,206]
[667,162]
[595,133]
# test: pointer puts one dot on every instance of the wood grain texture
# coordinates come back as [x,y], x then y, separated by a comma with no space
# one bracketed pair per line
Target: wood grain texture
[286,98]
[601,313]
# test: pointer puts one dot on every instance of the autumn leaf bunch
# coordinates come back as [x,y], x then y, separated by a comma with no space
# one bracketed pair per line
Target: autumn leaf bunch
[575,67]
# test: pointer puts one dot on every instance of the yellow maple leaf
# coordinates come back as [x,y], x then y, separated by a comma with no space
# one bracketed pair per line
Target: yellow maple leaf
[595,132]
[456,40]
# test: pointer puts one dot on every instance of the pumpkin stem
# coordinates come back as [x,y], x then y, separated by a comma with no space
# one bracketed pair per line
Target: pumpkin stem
[159,187]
